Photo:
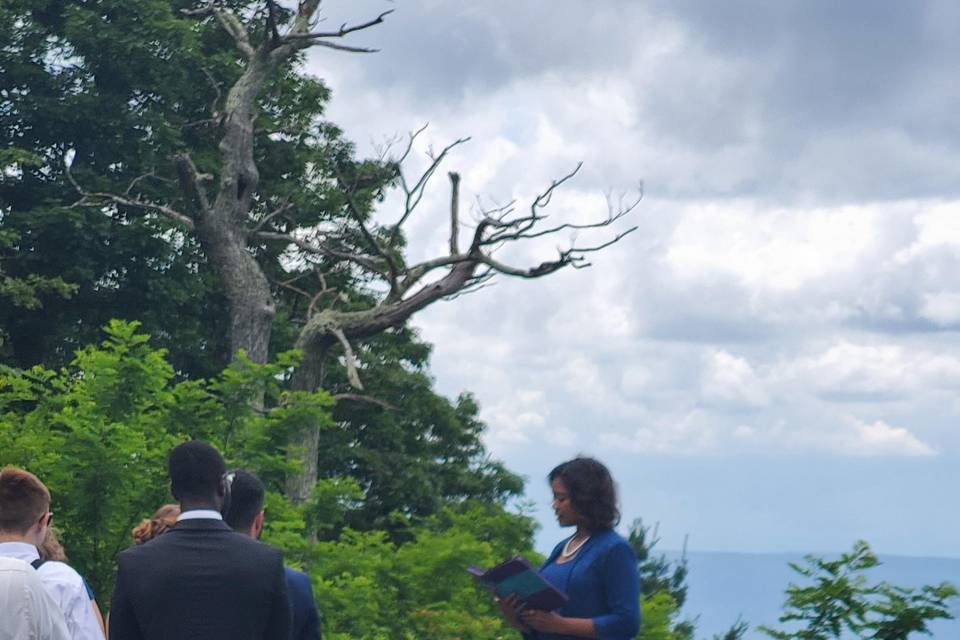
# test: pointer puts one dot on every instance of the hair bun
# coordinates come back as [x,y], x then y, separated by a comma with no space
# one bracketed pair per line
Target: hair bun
[161,522]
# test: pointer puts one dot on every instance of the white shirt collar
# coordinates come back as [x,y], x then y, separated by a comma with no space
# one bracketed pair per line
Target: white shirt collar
[19,550]
[200,514]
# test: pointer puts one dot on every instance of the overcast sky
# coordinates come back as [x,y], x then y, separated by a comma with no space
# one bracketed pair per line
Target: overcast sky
[772,361]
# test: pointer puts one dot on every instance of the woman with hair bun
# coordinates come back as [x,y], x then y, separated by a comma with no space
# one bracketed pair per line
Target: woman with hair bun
[595,567]
[160,522]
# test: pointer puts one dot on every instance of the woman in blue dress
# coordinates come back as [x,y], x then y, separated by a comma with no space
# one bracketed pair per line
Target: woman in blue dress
[595,567]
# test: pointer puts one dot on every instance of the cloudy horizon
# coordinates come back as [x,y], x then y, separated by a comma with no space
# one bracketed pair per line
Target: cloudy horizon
[770,363]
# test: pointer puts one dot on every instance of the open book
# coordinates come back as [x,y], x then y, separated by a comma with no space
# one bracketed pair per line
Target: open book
[517,576]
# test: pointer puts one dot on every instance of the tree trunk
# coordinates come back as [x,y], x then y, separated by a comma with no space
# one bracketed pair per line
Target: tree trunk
[316,340]
[246,287]
[306,445]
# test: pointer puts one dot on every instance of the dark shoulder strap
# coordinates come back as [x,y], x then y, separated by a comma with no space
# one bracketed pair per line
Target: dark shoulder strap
[36,564]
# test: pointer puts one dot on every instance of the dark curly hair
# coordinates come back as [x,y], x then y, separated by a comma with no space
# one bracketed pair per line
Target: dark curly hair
[593,494]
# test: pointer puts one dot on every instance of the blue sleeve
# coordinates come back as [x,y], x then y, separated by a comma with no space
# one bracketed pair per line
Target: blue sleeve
[311,626]
[622,586]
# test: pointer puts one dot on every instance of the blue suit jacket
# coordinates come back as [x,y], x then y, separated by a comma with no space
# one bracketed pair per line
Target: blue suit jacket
[306,619]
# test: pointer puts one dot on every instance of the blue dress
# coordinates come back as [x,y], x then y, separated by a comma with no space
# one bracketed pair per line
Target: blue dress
[602,582]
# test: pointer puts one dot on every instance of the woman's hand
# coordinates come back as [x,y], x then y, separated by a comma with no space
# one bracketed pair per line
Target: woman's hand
[512,608]
[546,621]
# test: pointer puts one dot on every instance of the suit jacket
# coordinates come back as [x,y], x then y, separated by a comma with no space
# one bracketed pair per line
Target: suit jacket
[200,580]
[306,619]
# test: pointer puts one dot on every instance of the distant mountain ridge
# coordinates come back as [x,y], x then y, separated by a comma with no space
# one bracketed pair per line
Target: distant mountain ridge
[725,585]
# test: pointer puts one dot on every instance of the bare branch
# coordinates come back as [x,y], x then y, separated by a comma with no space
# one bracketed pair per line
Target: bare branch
[342,47]
[349,357]
[610,219]
[411,138]
[232,25]
[415,194]
[272,35]
[321,249]
[300,36]
[378,248]
[136,181]
[99,198]
[202,12]
[341,32]
[214,112]
[454,212]
[190,179]
[286,206]
[540,270]
[572,257]
[356,397]
[286,284]
[475,284]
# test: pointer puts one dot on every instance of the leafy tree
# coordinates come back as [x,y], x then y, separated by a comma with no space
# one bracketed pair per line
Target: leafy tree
[96,78]
[113,414]
[413,453]
[841,602]
[183,136]
[663,591]
[98,433]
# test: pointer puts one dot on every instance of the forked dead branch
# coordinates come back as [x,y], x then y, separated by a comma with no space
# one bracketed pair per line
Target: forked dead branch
[239,225]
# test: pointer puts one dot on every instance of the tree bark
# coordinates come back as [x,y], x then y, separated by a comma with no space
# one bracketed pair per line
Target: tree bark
[221,226]
[306,445]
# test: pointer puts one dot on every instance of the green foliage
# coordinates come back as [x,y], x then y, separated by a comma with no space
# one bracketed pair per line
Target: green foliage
[120,87]
[26,292]
[841,602]
[98,432]
[371,587]
[658,610]
[663,591]
[663,587]
[415,457]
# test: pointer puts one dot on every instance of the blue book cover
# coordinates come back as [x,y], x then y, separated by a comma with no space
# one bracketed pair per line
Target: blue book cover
[518,577]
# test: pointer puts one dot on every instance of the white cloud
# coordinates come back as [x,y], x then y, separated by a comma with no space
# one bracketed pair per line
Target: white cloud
[936,227]
[872,370]
[877,439]
[690,434]
[519,418]
[778,250]
[729,379]
[941,308]
[839,436]
[778,278]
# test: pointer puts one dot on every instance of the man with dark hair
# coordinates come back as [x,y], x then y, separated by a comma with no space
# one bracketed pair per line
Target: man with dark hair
[245,515]
[24,521]
[200,579]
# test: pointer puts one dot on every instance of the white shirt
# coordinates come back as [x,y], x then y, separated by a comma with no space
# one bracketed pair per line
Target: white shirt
[200,514]
[66,588]
[29,613]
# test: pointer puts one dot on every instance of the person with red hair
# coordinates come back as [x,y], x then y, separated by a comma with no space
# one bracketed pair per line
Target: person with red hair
[160,522]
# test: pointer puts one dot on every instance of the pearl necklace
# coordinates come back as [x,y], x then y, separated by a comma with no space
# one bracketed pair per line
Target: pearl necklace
[567,551]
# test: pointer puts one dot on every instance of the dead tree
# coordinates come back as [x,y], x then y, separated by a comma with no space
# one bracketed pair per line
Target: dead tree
[221,218]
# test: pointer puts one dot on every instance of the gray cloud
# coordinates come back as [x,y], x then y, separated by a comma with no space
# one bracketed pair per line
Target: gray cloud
[801,100]
[790,297]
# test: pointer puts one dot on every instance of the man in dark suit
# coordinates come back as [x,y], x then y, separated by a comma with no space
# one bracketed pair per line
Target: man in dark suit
[245,515]
[200,579]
